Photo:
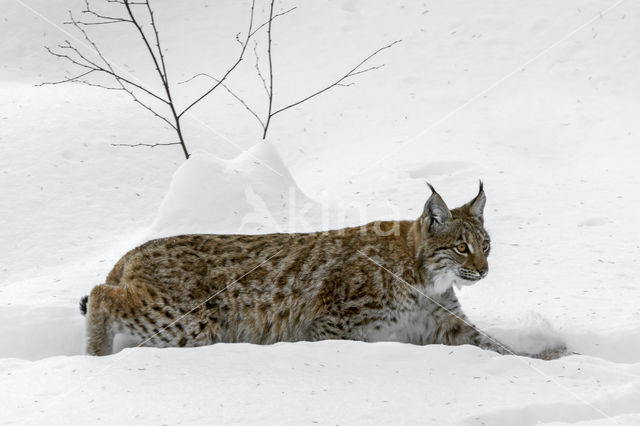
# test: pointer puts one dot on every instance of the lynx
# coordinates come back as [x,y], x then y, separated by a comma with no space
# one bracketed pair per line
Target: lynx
[384,281]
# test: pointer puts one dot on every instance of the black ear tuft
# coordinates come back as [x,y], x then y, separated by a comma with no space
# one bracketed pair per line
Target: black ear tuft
[83,305]
[476,206]
[435,213]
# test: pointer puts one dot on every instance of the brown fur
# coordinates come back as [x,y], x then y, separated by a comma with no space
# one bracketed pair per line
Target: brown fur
[194,290]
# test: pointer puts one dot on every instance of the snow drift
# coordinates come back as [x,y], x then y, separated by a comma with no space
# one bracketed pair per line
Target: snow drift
[252,193]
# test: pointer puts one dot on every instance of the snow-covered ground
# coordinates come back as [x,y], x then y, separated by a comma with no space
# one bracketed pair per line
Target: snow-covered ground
[539,99]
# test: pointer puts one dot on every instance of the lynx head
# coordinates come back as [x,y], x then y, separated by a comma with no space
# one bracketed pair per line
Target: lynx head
[453,245]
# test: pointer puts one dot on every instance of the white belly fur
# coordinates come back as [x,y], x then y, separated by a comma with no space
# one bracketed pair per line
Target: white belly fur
[411,327]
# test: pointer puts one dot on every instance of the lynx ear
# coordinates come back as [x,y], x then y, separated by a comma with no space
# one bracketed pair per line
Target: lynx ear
[476,206]
[436,213]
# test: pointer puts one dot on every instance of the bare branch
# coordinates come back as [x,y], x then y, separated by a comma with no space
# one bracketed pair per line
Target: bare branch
[70,59]
[270,91]
[90,63]
[108,19]
[95,23]
[88,83]
[161,72]
[122,2]
[150,145]
[66,80]
[103,66]
[231,92]
[190,79]
[264,82]
[247,107]
[239,41]
[146,42]
[235,64]
[151,110]
[155,31]
[109,69]
[131,3]
[377,67]
[250,33]
[353,72]
[271,18]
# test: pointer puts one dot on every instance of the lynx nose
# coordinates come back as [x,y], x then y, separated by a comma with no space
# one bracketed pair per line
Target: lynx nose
[483,271]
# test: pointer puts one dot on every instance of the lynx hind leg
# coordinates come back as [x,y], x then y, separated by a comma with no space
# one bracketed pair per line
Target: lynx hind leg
[114,309]
[100,317]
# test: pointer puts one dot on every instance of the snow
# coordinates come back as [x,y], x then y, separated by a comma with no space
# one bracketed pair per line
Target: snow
[251,193]
[326,382]
[539,99]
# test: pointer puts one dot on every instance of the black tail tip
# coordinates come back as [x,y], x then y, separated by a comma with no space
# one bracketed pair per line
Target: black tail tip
[83,305]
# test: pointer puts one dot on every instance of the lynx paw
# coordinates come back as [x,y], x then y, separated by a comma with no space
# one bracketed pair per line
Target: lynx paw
[554,353]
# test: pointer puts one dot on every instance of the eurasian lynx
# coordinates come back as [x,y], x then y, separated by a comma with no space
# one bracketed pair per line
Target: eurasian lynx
[384,281]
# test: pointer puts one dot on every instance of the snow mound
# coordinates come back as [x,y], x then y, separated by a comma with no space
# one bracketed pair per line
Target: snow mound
[531,333]
[252,193]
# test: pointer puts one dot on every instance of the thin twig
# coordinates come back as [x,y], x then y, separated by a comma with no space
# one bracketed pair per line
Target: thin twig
[163,73]
[235,64]
[270,91]
[119,79]
[231,92]
[109,69]
[269,88]
[157,36]
[250,33]
[277,15]
[101,86]
[153,145]
[66,80]
[107,19]
[353,72]
[122,2]
[103,66]
[146,42]
[247,107]
[264,82]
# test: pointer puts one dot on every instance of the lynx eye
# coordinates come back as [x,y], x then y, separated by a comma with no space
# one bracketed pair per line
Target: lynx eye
[485,245]
[462,248]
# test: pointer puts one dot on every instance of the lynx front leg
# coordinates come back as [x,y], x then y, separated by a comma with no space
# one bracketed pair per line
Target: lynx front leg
[458,332]
[553,353]
[324,329]
[455,332]
[484,341]
[106,306]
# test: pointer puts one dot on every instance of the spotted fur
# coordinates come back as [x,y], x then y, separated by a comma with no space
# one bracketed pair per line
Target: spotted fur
[380,281]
